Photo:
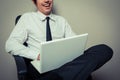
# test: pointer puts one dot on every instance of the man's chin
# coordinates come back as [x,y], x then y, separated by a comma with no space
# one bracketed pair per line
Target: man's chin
[47,12]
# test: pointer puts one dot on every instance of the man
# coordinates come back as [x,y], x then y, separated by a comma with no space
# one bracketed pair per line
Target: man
[31,28]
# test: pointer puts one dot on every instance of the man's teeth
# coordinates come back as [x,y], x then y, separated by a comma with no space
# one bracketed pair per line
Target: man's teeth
[47,5]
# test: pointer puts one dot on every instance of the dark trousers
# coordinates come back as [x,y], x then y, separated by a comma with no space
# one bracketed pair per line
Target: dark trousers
[78,69]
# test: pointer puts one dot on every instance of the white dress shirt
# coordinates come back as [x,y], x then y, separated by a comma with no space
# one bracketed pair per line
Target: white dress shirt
[32,28]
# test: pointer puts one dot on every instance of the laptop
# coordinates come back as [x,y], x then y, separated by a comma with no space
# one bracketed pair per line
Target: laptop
[56,53]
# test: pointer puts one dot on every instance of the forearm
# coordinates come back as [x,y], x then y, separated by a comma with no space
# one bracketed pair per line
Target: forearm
[16,48]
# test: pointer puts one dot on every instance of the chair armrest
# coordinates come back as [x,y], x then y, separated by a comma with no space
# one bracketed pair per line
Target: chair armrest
[21,67]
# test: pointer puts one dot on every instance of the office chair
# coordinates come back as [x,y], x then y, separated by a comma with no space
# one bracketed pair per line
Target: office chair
[21,62]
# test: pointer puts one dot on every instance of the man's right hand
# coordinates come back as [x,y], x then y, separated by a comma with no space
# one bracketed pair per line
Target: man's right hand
[38,58]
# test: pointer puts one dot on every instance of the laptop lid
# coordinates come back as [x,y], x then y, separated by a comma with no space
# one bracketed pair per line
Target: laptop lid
[58,52]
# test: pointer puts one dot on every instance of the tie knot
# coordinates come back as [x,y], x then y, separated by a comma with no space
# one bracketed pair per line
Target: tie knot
[47,18]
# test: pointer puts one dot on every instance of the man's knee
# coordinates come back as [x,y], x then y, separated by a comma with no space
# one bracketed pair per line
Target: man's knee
[105,51]
[101,50]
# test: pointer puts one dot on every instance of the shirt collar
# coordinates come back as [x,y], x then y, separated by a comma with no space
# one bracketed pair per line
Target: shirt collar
[43,17]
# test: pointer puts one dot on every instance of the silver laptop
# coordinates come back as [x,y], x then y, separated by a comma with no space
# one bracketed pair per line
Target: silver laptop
[58,52]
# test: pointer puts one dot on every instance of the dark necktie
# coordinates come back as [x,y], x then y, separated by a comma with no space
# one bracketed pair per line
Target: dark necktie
[48,31]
